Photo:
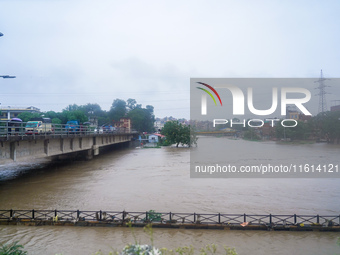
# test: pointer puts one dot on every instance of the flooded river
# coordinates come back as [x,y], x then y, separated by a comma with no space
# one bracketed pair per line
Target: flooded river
[159,179]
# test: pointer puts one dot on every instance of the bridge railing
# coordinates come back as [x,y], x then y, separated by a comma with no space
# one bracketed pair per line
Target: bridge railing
[170,217]
[15,128]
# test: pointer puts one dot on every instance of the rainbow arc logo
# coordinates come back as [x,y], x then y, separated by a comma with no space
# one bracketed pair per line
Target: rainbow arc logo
[209,93]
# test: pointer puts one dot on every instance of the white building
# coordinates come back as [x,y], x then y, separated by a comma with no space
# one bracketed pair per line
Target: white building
[154,138]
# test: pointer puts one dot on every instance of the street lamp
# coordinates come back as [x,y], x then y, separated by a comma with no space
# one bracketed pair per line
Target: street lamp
[7,76]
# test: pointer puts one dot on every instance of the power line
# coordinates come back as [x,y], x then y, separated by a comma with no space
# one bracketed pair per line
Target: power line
[322,93]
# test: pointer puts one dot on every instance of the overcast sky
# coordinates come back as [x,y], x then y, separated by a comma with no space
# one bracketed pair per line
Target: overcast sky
[78,51]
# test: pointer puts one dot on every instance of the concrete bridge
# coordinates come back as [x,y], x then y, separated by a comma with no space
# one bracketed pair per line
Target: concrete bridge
[18,146]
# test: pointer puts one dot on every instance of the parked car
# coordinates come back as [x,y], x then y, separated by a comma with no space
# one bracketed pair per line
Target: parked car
[98,130]
[72,126]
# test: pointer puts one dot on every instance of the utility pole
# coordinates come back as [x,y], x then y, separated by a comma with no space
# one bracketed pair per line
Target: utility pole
[322,94]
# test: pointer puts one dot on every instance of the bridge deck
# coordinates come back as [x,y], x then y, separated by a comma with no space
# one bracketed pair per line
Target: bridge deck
[16,143]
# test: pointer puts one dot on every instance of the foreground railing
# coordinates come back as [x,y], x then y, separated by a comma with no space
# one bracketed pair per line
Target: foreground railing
[120,217]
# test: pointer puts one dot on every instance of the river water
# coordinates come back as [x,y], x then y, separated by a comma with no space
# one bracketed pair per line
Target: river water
[159,179]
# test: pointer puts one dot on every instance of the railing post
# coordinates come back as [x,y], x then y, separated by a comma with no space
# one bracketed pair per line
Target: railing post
[317,219]
[294,218]
[33,214]
[219,218]
[78,214]
[270,219]
[170,217]
[244,218]
[194,217]
[55,213]
[146,216]
[11,213]
[100,215]
[123,216]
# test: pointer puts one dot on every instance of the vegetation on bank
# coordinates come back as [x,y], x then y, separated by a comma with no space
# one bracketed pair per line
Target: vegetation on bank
[12,249]
[178,133]
[137,248]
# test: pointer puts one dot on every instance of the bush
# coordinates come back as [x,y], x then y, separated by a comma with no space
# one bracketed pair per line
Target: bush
[12,249]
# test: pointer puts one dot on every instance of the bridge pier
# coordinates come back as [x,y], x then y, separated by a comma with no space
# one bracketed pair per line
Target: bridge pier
[95,149]
[89,154]
[13,151]
[46,147]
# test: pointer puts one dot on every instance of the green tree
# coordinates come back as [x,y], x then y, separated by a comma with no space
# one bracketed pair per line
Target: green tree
[329,125]
[27,116]
[72,107]
[177,133]
[118,109]
[300,132]
[142,119]
[73,115]
[131,104]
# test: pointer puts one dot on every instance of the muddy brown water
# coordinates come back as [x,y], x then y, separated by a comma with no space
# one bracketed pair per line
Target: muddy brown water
[159,179]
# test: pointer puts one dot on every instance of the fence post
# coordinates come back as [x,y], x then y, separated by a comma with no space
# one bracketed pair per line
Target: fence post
[11,213]
[78,214]
[194,217]
[33,214]
[294,218]
[317,219]
[100,215]
[170,217]
[270,219]
[123,216]
[219,218]
[244,218]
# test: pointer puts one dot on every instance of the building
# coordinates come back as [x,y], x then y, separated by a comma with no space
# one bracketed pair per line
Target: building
[159,124]
[8,113]
[154,138]
[123,124]
[293,115]
[335,108]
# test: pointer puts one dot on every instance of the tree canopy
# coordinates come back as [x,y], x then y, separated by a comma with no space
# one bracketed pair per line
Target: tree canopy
[178,133]
[118,109]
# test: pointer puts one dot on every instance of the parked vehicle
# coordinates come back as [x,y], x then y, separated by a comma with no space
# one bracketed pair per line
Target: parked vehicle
[15,126]
[72,126]
[98,130]
[38,126]
[108,128]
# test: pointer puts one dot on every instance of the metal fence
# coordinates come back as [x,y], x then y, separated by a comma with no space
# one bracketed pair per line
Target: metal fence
[22,129]
[170,217]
